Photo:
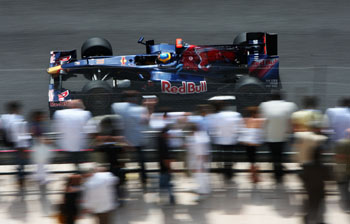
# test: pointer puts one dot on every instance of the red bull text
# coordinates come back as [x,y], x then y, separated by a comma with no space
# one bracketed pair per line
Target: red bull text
[185,88]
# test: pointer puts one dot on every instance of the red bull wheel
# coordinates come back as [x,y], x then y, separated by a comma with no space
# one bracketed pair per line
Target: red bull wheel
[249,92]
[96,46]
[97,97]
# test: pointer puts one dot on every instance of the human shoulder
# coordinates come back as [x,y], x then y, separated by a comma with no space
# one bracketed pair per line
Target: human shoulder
[58,114]
[120,107]
[320,138]
[267,106]
[302,134]
[229,114]
[292,106]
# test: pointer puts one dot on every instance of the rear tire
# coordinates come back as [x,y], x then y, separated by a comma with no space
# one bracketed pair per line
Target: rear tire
[249,92]
[96,46]
[98,97]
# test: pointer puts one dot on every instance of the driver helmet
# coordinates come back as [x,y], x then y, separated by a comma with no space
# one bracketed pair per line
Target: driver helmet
[164,57]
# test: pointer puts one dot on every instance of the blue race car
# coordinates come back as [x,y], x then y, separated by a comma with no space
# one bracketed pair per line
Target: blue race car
[180,75]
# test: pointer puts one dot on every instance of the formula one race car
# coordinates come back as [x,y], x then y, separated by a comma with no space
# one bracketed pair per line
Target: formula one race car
[181,75]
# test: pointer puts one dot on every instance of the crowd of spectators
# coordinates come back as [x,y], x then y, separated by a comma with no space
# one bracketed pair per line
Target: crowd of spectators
[215,127]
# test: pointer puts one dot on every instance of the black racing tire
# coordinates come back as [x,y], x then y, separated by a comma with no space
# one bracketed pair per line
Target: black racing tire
[96,46]
[98,97]
[249,92]
[240,39]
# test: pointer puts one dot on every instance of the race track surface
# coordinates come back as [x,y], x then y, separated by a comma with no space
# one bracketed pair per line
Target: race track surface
[313,37]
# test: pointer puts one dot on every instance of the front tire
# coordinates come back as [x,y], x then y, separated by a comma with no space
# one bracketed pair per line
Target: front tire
[98,97]
[96,46]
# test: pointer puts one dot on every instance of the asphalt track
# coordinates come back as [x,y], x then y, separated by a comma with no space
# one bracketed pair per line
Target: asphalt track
[314,37]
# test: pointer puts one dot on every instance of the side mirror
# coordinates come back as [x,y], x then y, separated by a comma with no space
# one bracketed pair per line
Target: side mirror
[140,41]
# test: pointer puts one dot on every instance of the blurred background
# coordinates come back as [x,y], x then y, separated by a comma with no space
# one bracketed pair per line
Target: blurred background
[313,38]
[314,50]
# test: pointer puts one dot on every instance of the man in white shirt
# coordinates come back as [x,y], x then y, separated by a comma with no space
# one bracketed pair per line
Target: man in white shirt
[277,113]
[224,127]
[99,194]
[70,123]
[13,109]
[18,134]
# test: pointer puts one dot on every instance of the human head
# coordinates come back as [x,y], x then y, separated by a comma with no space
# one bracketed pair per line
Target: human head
[13,107]
[277,95]
[204,109]
[37,115]
[219,105]
[344,102]
[252,111]
[310,102]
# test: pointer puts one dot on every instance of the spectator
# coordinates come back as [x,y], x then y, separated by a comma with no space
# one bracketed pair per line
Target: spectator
[314,176]
[302,118]
[70,208]
[17,130]
[41,152]
[110,143]
[70,123]
[224,127]
[339,123]
[99,194]
[165,164]
[204,111]
[252,137]
[198,145]
[339,119]
[13,109]
[342,150]
[307,141]
[136,119]
[277,113]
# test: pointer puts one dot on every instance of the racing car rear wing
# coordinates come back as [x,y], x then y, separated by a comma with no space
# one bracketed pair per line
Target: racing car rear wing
[263,59]
[264,43]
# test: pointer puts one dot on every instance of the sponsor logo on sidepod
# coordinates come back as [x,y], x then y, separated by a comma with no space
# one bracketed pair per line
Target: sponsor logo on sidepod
[185,88]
